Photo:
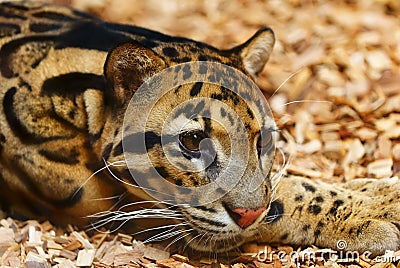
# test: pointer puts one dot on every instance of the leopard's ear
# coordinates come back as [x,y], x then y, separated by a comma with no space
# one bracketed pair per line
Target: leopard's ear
[128,66]
[255,52]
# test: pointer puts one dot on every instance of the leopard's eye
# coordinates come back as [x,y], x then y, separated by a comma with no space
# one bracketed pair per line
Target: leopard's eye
[191,140]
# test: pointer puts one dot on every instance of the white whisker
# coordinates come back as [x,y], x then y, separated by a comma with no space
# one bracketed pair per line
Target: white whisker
[187,243]
[90,177]
[154,202]
[179,238]
[282,168]
[272,218]
[97,225]
[161,227]
[106,198]
[95,173]
[286,80]
[305,101]
[164,236]
[108,217]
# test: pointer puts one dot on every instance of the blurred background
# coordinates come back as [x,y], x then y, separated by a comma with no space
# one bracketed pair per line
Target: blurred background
[333,80]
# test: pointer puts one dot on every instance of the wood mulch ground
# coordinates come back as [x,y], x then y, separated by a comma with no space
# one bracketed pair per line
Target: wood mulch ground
[333,83]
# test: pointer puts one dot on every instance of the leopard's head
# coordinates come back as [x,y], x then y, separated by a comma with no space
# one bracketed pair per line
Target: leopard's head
[198,135]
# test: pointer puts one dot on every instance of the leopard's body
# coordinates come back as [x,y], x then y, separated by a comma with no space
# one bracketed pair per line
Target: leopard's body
[66,79]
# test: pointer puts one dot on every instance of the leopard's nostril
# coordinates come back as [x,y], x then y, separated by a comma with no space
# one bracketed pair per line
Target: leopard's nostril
[245,217]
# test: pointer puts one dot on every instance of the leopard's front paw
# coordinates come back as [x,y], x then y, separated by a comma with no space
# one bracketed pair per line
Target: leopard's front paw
[365,214]
[372,221]
[369,236]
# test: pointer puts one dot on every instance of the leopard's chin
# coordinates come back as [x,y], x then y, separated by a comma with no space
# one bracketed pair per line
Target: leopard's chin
[218,242]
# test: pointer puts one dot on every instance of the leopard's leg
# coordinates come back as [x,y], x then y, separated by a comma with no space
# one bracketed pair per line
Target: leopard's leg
[364,213]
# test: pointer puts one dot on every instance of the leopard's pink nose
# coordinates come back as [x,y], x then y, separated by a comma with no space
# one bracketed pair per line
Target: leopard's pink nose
[246,217]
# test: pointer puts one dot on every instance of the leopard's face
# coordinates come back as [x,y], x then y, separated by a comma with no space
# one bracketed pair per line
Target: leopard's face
[206,147]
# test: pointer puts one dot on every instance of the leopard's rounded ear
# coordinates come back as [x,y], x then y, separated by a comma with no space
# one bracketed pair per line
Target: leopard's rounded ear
[128,66]
[255,52]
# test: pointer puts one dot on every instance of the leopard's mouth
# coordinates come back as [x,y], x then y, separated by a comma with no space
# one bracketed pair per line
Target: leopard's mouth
[204,240]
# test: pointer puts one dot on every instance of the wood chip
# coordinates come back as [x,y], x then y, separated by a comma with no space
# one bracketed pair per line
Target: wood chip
[305,172]
[34,236]
[155,254]
[126,258]
[34,260]
[6,236]
[85,257]
[355,151]
[73,245]
[380,168]
[366,134]
[68,254]
[263,265]
[66,264]
[396,151]
[61,240]
[172,263]
[85,243]
[46,226]
[50,244]
[124,238]
[180,258]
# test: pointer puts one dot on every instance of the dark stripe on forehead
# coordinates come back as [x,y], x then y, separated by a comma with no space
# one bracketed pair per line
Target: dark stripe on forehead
[196,89]
[226,94]
[223,112]
[231,120]
[203,68]
[189,110]
[250,113]
[199,107]
[176,91]
[207,125]
[187,73]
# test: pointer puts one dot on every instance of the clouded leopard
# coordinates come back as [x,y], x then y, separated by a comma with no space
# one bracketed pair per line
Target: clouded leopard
[66,82]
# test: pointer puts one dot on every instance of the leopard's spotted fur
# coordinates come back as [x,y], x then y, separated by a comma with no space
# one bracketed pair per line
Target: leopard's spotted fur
[66,80]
